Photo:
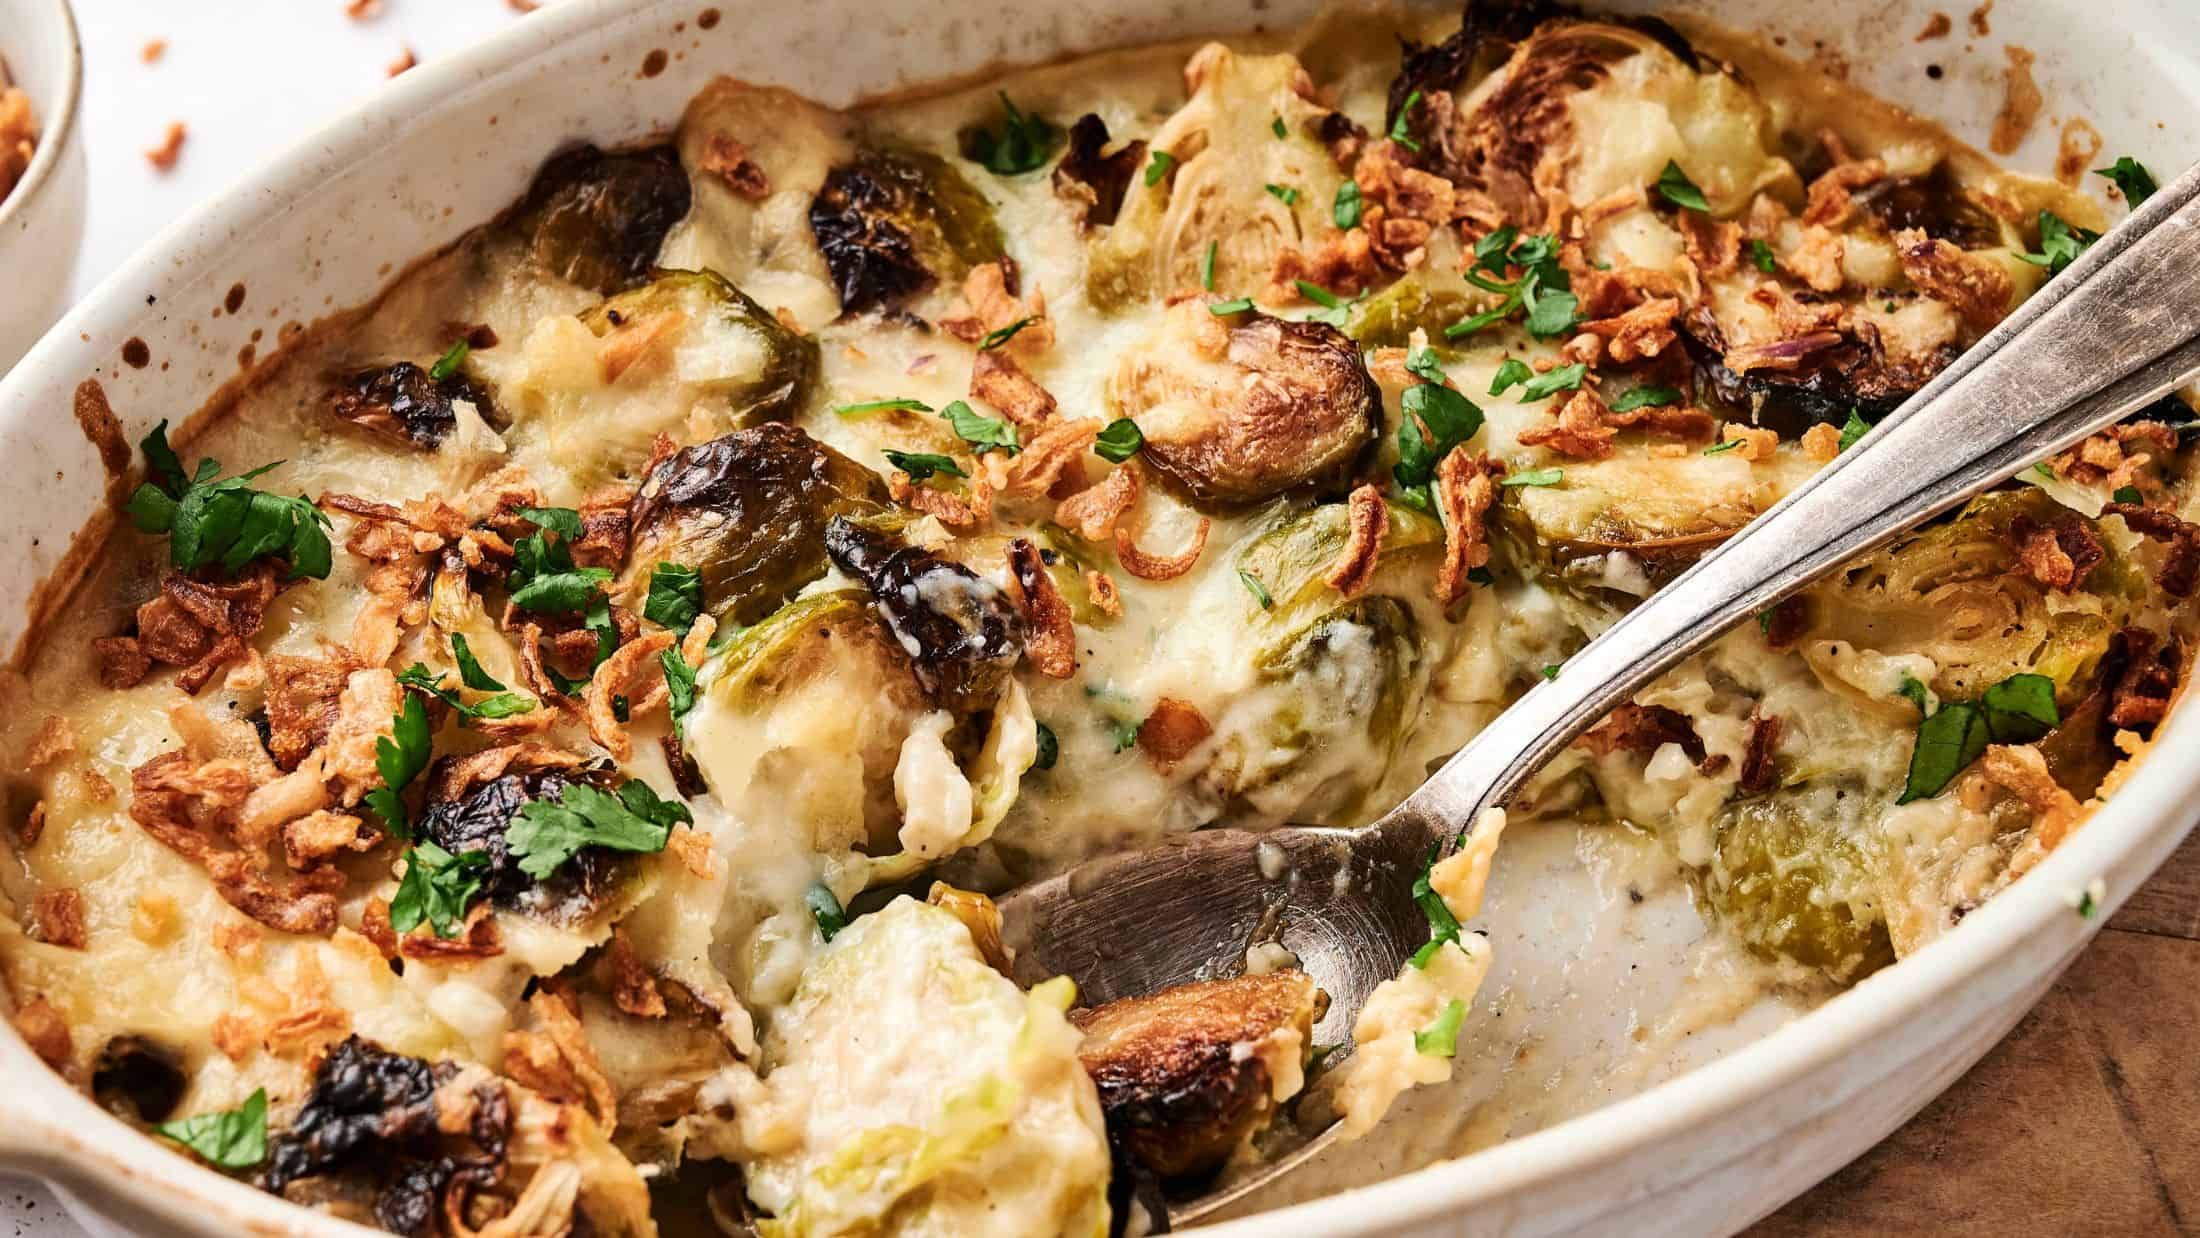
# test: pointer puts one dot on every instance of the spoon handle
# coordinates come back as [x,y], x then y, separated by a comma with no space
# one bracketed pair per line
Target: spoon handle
[2114,331]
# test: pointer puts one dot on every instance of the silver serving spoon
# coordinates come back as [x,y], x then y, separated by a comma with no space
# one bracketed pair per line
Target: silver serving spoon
[2119,328]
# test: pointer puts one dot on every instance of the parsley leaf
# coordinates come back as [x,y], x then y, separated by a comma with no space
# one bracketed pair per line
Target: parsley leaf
[504,705]
[1283,193]
[1514,370]
[230,1138]
[448,363]
[2060,243]
[1223,309]
[2128,494]
[1534,477]
[470,672]
[1543,289]
[436,888]
[1335,311]
[1422,364]
[399,757]
[1207,267]
[1441,1037]
[1158,164]
[922,464]
[826,910]
[225,522]
[1275,126]
[1398,131]
[984,434]
[1549,313]
[1442,925]
[1002,335]
[679,687]
[675,597]
[1345,209]
[544,579]
[1119,440]
[545,834]
[882,406]
[1564,378]
[1050,748]
[1550,670]
[1258,590]
[1853,429]
[1677,189]
[1761,254]
[2017,710]
[1025,144]
[1450,419]
[2132,177]
[2021,709]
[1645,396]
[1720,449]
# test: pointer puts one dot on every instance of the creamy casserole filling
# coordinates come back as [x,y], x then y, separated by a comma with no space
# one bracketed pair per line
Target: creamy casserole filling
[537,761]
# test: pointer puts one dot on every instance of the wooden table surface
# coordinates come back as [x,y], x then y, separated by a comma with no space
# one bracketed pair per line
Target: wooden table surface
[2085,1121]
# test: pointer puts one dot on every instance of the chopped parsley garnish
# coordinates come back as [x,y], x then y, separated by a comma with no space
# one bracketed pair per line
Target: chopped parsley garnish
[2017,710]
[1441,1037]
[1050,748]
[679,688]
[2132,178]
[1223,309]
[2046,471]
[1437,418]
[436,888]
[2127,494]
[1119,440]
[1677,189]
[1550,670]
[1442,925]
[1125,734]
[1513,371]
[448,363]
[922,464]
[1335,310]
[675,596]
[1283,193]
[230,1138]
[545,834]
[1207,267]
[826,910]
[882,406]
[503,705]
[1564,378]
[225,521]
[544,579]
[469,667]
[1422,364]
[1853,429]
[1158,164]
[1645,396]
[399,757]
[1542,289]
[1398,131]
[2060,243]
[1534,477]
[1761,254]
[1276,126]
[1025,144]
[2088,901]
[1258,590]
[984,434]
[1720,449]
[1345,208]
[1002,335]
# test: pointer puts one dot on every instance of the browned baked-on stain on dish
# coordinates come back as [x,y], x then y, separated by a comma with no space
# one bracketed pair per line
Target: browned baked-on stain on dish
[245,356]
[135,354]
[1936,27]
[2020,103]
[2076,150]
[235,300]
[707,19]
[1980,26]
[654,63]
[96,418]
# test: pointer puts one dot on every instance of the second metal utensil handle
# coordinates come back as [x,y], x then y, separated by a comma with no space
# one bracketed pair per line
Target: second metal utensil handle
[2115,330]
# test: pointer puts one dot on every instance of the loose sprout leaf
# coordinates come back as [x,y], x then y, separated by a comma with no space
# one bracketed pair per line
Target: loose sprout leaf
[436,888]
[1119,440]
[544,835]
[922,464]
[1002,335]
[1677,189]
[449,363]
[1853,429]
[1720,449]
[1283,193]
[1441,1037]
[2021,709]
[1564,378]
[1258,590]
[1647,395]
[1025,144]
[1761,254]
[1237,305]
[984,434]
[230,1138]
[1399,133]
[675,596]
[1050,748]
[1346,207]
[1158,165]
[1451,419]
[1947,743]
[399,757]
[679,687]
[469,666]
[2128,494]
[1207,267]
[882,406]
[1514,370]
[2060,243]
[1534,477]
[2132,177]
[826,910]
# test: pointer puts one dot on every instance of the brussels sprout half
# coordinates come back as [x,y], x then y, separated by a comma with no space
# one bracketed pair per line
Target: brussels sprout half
[1796,875]
[597,218]
[720,319]
[894,223]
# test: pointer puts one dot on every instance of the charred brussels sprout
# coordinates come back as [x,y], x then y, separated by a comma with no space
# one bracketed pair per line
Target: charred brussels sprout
[1240,410]
[477,821]
[893,223]
[1796,876]
[961,631]
[743,354]
[748,512]
[597,218]
[137,1079]
[404,404]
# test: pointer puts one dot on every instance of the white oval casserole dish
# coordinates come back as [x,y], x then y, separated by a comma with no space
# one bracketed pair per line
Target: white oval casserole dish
[324,225]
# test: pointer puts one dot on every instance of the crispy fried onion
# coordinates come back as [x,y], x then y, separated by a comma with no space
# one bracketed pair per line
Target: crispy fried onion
[1047,458]
[633,988]
[2181,540]
[2145,679]
[183,803]
[1172,731]
[1093,513]
[1760,772]
[556,1059]
[302,695]
[194,624]
[1159,567]
[999,380]
[2022,771]
[57,917]
[2059,554]
[1466,488]
[1578,429]
[1973,286]
[989,303]
[952,510]
[2105,459]
[614,678]
[1354,569]
[1050,636]
[1643,729]
[46,1032]
[1104,595]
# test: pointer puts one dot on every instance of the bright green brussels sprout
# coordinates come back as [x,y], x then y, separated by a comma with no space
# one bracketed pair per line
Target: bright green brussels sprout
[1293,554]
[748,511]
[894,223]
[731,349]
[1797,875]
[1389,318]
